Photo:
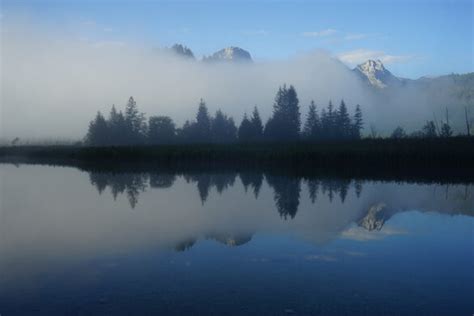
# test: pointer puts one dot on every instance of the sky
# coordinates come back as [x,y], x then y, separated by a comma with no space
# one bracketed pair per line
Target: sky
[412,38]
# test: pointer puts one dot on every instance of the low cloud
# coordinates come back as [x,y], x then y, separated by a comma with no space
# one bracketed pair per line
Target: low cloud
[53,84]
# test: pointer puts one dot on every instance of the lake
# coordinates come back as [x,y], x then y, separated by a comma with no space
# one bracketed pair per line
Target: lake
[81,242]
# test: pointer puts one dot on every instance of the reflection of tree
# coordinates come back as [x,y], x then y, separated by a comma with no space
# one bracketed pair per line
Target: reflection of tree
[205,182]
[358,187]
[335,186]
[286,188]
[130,183]
[313,188]
[222,181]
[99,180]
[185,244]
[162,180]
[253,180]
[287,194]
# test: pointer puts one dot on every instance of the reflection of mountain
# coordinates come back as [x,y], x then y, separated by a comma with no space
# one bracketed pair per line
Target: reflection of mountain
[231,239]
[375,217]
[459,202]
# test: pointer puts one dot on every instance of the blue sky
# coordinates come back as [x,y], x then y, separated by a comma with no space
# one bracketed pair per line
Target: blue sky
[413,38]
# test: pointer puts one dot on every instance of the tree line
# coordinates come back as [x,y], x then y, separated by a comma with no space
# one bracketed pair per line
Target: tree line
[132,128]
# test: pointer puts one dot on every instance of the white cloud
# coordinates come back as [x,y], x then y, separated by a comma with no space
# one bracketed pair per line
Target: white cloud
[358,56]
[323,33]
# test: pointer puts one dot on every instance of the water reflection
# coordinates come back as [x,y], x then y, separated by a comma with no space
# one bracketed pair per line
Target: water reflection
[384,200]
[286,189]
[57,221]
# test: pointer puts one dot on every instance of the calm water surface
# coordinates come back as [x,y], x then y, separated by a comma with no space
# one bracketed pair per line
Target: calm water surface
[79,243]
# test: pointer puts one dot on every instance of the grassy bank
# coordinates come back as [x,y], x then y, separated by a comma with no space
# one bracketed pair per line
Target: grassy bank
[428,158]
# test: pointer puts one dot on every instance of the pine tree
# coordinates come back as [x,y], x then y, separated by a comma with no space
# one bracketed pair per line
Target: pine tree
[203,123]
[245,133]
[323,134]
[358,123]
[135,123]
[257,125]
[343,122]
[223,128]
[116,124]
[311,124]
[97,135]
[286,122]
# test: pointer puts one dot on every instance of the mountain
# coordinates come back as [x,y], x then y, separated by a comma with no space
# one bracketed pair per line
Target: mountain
[230,54]
[182,51]
[374,73]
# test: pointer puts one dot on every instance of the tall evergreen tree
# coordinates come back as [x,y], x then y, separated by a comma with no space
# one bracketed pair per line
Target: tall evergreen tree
[203,123]
[116,124]
[343,122]
[245,133]
[135,123]
[223,128]
[97,134]
[311,124]
[286,122]
[357,123]
[257,125]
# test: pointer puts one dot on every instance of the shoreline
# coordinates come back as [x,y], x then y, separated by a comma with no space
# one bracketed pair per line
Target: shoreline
[434,160]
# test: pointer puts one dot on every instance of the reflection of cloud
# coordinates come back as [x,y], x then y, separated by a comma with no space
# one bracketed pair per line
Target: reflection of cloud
[320,258]
[358,56]
[323,33]
[361,234]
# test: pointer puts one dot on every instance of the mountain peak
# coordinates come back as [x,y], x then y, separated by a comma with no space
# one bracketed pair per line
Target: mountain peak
[232,54]
[182,51]
[375,73]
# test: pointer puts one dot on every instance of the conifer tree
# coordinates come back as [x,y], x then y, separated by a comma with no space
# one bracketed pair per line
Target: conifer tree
[357,123]
[257,125]
[311,124]
[343,122]
[203,123]
[245,132]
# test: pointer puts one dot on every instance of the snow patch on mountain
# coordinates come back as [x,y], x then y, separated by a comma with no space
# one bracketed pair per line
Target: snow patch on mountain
[232,54]
[375,73]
